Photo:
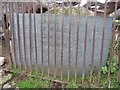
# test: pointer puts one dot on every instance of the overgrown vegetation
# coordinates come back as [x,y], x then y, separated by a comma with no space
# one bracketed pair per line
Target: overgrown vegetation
[25,80]
[113,66]
[113,73]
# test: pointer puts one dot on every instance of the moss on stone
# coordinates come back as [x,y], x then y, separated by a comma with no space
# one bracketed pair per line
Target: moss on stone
[83,11]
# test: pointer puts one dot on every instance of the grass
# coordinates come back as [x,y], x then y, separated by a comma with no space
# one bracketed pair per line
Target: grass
[33,83]
[36,81]
[25,80]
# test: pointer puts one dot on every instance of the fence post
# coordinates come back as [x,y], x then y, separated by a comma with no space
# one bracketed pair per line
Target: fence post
[7,38]
[0,11]
[119,53]
[0,30]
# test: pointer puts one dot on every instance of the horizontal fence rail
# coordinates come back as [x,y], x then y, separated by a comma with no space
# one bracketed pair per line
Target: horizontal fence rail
[69,44]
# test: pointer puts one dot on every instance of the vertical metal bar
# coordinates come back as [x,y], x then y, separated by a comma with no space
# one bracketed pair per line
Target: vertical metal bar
[7,38]
[6,33]
[111,49]
[85,43]
[102,43]
[93,43]
[77,41]
[10,36]
[6,23]
[48,41]
[12,31]
[0,25]
[62,41]
[35,38]
[119,60]
[118,48]
[29,21]
[42,39]
[18,29]
[55,73]
[10,53]
[24,41]
[69,47]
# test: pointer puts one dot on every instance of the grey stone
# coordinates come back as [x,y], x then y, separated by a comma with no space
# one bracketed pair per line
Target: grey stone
[13,84]
[0,87]
[2,60]
[7,86]
[8,77]
[17,88]
[4,78]
[1,81]
[81,38]
[1,73]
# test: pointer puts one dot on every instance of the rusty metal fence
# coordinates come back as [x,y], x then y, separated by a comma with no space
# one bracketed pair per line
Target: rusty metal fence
[59,45]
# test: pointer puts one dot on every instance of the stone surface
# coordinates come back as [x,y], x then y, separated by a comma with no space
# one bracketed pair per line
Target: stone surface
[0,87]
[83,11]
[81,38]
[5,78]
[8,77]
[2,60]
[7,86]
[1,74]
[1,81]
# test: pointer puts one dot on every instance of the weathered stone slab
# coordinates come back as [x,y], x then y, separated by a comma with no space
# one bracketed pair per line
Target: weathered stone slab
[2,60]
[98,40]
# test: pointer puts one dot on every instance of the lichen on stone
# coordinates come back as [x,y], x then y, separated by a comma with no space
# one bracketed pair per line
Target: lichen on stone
[83,11]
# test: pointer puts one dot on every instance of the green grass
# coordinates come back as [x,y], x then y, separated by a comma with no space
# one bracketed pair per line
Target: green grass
[36,81]
[33,83]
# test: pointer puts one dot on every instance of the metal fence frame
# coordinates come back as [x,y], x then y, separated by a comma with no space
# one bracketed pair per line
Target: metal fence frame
[10,6]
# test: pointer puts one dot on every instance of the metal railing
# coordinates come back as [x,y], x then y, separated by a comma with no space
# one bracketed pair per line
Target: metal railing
[19,56]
